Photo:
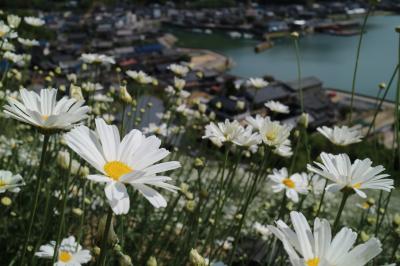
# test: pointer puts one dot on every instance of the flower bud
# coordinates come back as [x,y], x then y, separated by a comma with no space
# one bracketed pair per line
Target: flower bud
[124,95]
[196,259]
[151,261]
[6,201]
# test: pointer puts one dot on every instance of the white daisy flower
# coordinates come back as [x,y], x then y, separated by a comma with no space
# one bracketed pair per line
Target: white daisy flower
[153,128]
[44,111]
[97,59]
[139,76]
[13,21]
[316,183]
[28,42]
[179,84]
[13,57]
[293,185]
[7,46]
[358,176]
[256,122]
[262,230]
[248,138]
[98,97]
[34,21]
[284,149]
[178,69]
[130,161]
[70,253]
[342,136]
[4,30]
[10,182]
[277,107]
[224,132]
[257,83]
[273,133]
[317,248]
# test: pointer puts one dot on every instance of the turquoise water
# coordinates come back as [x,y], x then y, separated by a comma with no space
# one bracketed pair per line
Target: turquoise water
[330,58]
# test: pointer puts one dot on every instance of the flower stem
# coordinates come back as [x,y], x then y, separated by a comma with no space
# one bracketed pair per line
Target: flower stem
[36,198]
[103,248]
[218,203]
[321,201]
[382,99]
[297,50]
[353,85]
[61,224]
[345,196]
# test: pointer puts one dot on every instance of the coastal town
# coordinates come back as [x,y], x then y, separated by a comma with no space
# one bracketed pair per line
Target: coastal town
[138,39]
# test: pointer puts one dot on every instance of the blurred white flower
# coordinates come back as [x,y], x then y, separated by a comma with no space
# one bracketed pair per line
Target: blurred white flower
[284,149]
[139,76]
[34,21]
[44,111]
[293,185]
[70,253]
[13,21]
[15,58]
[262,230]
[358,176]
[248,138]
[276,135]
[224,132]
[4,30]
[317,248]
[342,136]
[10,182]
[316,183]
[179,84]
[7,46]
[130,161]
[160,130]
[97,59]
[99,97]
[90,86]
[179,69]
[277,107]
[256,122]
[28,42]
[257,83]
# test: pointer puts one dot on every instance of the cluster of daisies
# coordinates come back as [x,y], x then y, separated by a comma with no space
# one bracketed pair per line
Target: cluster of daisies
[333,173]
[119,161]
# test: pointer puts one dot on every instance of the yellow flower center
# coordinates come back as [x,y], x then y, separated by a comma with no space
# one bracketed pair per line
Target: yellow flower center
[2,33]
[2,183]
[271,135]
[313,262]
[116,169]
[45,117]
[365,205]
[356,185]
[288,182]
[64,256]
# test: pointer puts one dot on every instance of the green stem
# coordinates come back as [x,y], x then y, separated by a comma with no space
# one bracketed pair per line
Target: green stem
[219,208]
[345,196]
[297,50]
[83,213]
[61,224]
[283,206]
[321,201]
[103,248]
[353,84]
[397,108]
[382,100]
[36,198]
